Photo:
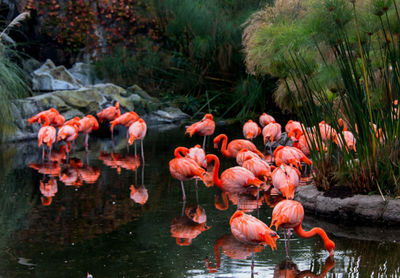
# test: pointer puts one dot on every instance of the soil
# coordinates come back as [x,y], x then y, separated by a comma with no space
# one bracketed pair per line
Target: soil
[339,192]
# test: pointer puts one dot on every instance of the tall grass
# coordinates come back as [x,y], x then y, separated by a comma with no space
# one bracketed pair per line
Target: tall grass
[339,59]
[12,79]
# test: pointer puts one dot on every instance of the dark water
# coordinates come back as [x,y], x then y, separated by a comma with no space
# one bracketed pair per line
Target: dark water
[97,228]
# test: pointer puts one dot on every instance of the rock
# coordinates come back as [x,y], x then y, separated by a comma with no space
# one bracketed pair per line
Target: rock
[83,73]
[363,208]
[88,100]
[50,78]
[135,89]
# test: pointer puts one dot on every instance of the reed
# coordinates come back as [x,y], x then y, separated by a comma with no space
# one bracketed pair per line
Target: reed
[348,70]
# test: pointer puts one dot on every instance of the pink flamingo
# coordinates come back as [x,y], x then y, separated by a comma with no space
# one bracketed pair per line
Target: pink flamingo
[46,135]
[251,130]
[205,128]
[234,146]
[87,125]
[286,179]
[266,119]
[137,131]
[290,155]
[245,154]
[109,114]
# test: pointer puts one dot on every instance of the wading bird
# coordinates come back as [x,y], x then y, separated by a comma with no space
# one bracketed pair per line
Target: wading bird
[137,131]
[69,132]
[266,119]
[234,146]
[109,114]
[286,179]
[251,130]
[126,119]
[46,135]
[290,155]
[205,128]
[289,214]
[87,125]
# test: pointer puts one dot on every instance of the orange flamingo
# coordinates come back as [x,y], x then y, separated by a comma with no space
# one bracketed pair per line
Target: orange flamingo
[348,138]
[46,135]
[197,154]
[289,214]
[266,119]
[234,146]
[245,154]
[286,179]
[251,130]
[109,113]
[205,128]
[184,168]
[137,131]
[235,180]
[55,119]
[182,228]
[258,167]
[342,124]
[232,248]
[290,155]
[139,195]
[272,132]
[327,132]
[291,125]
[87,125]
[300,141]
[196,214]
[126,119]
[69,132]
[250,230]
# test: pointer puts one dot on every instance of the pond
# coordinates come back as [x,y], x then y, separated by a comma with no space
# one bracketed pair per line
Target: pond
[88,223]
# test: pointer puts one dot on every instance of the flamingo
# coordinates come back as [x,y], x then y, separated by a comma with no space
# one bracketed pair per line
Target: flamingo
[55,119]
[327,132]
[205,128]
[258,167]
[245,154]
[137,131]
[126,119]
[248,229]
[290,155]
[234,146]
[342,124]
[289,214]
[266,119]
[46,135]
[184,168]
[109,114]
[69,132]
[291,125]
[300,141]
[348,138]
[234,180]
[272,132]
[251,130]
[285,179]
[87,125]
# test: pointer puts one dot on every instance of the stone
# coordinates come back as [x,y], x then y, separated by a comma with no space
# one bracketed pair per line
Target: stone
[87,100]
[392,212]
[50,78]
[135,89]
[83,73]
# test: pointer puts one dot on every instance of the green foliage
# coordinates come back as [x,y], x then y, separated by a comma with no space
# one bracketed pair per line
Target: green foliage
[199,51]
[338,59]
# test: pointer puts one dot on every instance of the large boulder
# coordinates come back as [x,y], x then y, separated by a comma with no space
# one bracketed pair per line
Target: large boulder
[89,100]
[51,78]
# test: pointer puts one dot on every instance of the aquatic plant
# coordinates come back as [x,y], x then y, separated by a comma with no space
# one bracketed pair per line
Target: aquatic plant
[349,71]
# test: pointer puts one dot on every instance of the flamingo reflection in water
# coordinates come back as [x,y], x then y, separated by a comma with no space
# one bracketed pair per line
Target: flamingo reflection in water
[48,188]
[288,269]
[47,168]
[232,248]
[248,202]
[118,161]
[139,195]
[184,229]
[75,173]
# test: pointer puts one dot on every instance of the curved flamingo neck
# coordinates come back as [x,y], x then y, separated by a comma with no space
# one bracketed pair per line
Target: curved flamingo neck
[46,120]
[314,231]
[212,157]
[224,150]
[181,152]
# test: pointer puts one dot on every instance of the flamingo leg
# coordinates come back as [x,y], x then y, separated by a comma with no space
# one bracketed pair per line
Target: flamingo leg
[287,236]
[43,153]
[204,143]
[141,146]
[87,142]
[142,174]
[258,206]
[183,208]
[238,201]
[197,191]
[252,264]
[50,153]
[134,147]
[183,192]
[87,158]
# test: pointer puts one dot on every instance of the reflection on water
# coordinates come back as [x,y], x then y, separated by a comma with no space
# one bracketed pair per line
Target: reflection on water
[111,215]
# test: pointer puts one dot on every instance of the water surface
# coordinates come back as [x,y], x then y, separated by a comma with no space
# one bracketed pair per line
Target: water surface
[92,225]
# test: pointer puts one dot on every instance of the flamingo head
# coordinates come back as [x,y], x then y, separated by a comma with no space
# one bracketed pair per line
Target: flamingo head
[330,246]
[117,105]
[208,116]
